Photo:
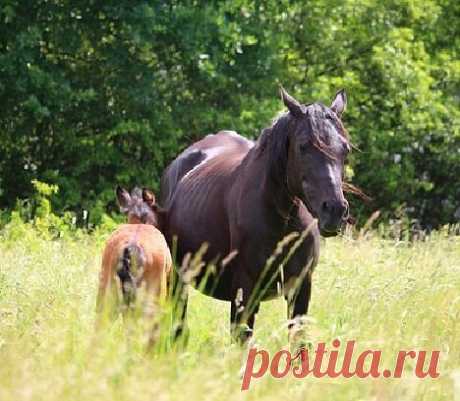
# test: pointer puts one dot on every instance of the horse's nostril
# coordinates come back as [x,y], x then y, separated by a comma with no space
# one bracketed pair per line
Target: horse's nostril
[338,209]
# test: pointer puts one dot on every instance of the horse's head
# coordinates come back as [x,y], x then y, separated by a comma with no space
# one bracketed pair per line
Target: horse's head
[139,206]
[317,149]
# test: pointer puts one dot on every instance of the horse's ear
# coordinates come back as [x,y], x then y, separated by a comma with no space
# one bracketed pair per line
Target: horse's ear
[148,196]
[297,109]
[123,198]
[339,104]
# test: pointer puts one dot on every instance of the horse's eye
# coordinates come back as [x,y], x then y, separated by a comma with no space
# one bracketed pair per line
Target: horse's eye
[303,147]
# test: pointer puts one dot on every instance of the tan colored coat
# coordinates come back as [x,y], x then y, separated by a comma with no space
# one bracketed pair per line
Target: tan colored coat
[156,262]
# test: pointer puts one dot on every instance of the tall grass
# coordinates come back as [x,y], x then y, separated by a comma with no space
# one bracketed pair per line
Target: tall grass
[384,294]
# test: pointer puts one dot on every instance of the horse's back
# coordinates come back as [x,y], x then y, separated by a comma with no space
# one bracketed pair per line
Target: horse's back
[226,145]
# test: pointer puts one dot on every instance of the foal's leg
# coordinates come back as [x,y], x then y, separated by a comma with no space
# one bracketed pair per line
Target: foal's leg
[243,309]
[107,302]
[154,288]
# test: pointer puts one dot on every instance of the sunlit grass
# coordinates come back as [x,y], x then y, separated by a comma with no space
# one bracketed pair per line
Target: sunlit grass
[383,294]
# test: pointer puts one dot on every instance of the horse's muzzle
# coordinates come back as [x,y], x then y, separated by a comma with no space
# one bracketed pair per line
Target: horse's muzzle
[332,218]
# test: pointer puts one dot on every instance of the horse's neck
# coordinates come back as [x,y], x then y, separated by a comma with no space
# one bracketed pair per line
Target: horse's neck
[273,187]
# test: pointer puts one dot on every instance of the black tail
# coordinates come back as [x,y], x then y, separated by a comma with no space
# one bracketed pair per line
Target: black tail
[128,268]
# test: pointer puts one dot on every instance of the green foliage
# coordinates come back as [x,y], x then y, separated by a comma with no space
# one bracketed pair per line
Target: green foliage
[36,218]
[99,93]
[37,214]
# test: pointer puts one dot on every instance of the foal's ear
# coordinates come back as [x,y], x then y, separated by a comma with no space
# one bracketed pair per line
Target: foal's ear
[148,196]
[123,198]
[297,109]
[339,104]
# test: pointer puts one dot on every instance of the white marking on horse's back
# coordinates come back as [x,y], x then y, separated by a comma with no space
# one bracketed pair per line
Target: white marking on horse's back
[210,154]
[237,136]
[229,132]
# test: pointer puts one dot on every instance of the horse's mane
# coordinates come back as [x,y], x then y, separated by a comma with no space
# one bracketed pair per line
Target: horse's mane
[275,140]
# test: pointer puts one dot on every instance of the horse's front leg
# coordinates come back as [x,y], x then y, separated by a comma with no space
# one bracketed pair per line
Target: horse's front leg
[244,308]
[298,301]
[179,303]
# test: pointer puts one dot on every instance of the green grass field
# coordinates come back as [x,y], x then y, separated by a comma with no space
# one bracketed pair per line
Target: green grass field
[384,294]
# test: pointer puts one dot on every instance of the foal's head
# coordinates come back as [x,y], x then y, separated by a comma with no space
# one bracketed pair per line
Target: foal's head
[317,148]
[139,206]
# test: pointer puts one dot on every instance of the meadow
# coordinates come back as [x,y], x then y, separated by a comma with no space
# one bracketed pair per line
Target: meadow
[384,293]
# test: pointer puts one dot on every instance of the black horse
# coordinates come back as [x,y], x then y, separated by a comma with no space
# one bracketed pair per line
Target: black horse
[244,197]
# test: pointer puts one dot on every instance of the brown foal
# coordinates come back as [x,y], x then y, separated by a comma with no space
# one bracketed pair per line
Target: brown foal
[136,261]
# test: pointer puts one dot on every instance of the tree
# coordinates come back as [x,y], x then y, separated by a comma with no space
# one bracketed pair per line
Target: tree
[94,94]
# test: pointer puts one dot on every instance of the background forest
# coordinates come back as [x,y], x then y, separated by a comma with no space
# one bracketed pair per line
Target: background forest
[98,93]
